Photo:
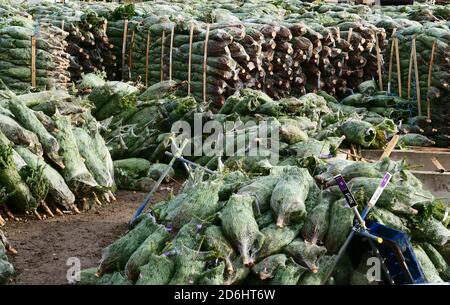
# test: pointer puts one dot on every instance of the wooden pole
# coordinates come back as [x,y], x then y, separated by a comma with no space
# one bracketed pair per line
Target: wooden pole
[147,51]
[191,38]
[170,52]
[390,61]
[430,72]
[124,46]
[163,41]
[380,77]
[416,75]
[130,62]
[390,147]
[410,71]
[33,61]
[205,58]
[399,75]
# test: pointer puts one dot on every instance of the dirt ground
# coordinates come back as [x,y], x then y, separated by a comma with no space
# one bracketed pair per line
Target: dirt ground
[45,245]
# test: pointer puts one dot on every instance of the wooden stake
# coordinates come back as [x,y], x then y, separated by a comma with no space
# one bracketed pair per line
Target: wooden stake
[410,71]
[380,78]
[390,147]
[399,76]
[439,166]
[390,61]
[205,58]
[416,75]
[170,52]
[130,60]
[163,42]
[191,37]
[33,61]
[147,51]
[430,72]
[124,46]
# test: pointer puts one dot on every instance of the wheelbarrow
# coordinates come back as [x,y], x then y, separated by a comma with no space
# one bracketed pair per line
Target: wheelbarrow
[391,246]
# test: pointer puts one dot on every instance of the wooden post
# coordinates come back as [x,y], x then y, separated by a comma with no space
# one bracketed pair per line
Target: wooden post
[410,71]
[130,60]
[163,42]
[439,166]
[390,61]
[430,72]
[124,46]
[380,77]
[33,61]
[399,75]
[390,147]
[416,75]
[205,58]
[170,52]
[191,38]
[147,51]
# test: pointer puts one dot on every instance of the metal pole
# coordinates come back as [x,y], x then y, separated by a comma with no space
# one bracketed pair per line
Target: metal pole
[156,186]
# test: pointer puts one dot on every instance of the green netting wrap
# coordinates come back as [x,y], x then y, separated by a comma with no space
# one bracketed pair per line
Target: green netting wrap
[388,218]
[291,133]
[213,276]
[151,245]
[429,270]
[316,223]
[116,255]
[360,132]
[34,177]
[111,98]
[189,266]
[19,135]
[26,117]
[96,166]
[6,268]
[277,238]
[398,198]
[156,170]
[261,191]
[267,268]
[21,196]
[288,198]
[201,202]
[233,182]
[58,190]
[360,169]
[158,271]
[313,147]
[216,241]
[189,235]
[91,80]
[240,227]
[159,90]
[289,274]
[432,231]
[309,278]
[89,277]
[305,253]
[341,222]
[75,171]
[413,139]
[437,260]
